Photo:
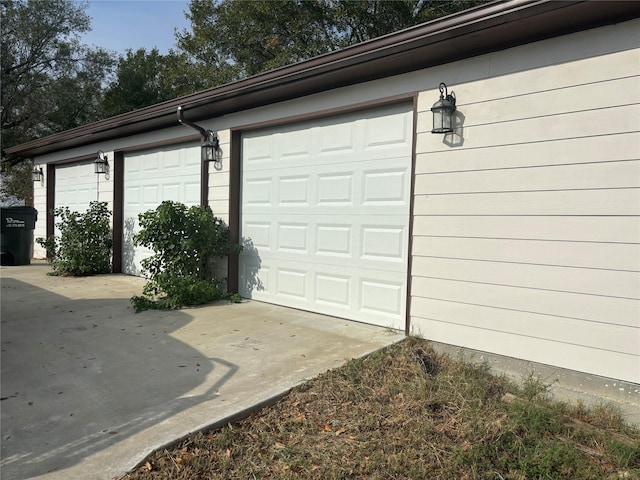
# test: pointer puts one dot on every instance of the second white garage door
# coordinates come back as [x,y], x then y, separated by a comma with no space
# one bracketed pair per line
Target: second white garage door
[150,177]
[325,215]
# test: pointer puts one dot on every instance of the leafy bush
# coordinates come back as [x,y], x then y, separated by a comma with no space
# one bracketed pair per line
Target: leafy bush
[186,242]
[84,246]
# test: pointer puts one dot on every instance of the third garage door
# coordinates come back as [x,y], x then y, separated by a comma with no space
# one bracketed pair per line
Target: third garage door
[325,215]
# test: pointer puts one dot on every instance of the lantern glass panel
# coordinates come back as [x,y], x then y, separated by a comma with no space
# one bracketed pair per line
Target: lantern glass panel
[437,121]
[446,120]
[101,166]
[208,152]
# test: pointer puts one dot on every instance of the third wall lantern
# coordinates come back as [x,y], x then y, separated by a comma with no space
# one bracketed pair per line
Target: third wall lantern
[37,175]
[443,111]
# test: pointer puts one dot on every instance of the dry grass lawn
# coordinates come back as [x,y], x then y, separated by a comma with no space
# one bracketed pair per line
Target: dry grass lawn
[407,412]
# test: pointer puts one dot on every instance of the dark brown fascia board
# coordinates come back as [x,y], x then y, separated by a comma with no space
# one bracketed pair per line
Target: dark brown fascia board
[491,27]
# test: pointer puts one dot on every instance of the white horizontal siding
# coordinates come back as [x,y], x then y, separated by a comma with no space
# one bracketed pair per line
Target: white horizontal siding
[602,148]
[608,202]
[608,256]
[618,229]
[584,176]
[40,204]
[219,179]
[595,335]
[590,308]
[574,357]
[527,219]
[610,283]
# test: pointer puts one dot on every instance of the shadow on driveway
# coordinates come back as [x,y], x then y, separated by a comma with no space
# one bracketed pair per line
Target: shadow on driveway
[82,374]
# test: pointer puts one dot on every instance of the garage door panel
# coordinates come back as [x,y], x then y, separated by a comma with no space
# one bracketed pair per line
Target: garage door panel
[257,193]
[385,187]
[293,238]
[150,195]
[334,239]
[257,152]
[380,297]
[254,277]
[297,146]
[170,163]
[335,140]
[335,189]
[293,191]
[333,290]
[192,192]
[291,283]
[259,234]
[326,215]
[383,243]
[388,131]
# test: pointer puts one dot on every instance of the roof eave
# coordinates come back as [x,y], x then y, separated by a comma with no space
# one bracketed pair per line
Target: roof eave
[491,27]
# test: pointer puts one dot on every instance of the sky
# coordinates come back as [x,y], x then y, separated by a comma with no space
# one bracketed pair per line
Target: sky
[121,24]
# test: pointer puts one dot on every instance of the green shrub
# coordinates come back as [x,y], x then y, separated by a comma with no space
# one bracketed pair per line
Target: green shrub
[84,246]
[186,242]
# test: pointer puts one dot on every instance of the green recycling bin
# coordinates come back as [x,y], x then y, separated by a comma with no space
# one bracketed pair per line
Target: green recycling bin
[16,235]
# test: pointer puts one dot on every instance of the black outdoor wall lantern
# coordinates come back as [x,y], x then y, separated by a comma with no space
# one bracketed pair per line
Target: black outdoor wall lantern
[443,111]
[37,175]
[101,163]
[210,145]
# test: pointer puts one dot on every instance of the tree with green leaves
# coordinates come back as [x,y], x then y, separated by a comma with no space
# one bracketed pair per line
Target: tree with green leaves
[138,83]
[50,81]
[232,39]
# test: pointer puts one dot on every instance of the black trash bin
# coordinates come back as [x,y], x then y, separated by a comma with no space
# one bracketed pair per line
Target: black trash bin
[16,235]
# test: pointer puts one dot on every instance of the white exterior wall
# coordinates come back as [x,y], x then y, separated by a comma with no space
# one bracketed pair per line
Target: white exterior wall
[526,224]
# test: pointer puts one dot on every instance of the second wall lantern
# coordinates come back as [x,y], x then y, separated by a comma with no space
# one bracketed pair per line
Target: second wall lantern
[101,163]
[443,111]
[210,146]
[209,141]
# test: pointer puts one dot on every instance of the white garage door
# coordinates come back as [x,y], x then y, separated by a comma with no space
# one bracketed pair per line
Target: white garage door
[325,215]
[76,186]
[150,177]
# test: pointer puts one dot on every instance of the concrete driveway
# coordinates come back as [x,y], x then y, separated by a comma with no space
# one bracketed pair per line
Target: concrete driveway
[89,388]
